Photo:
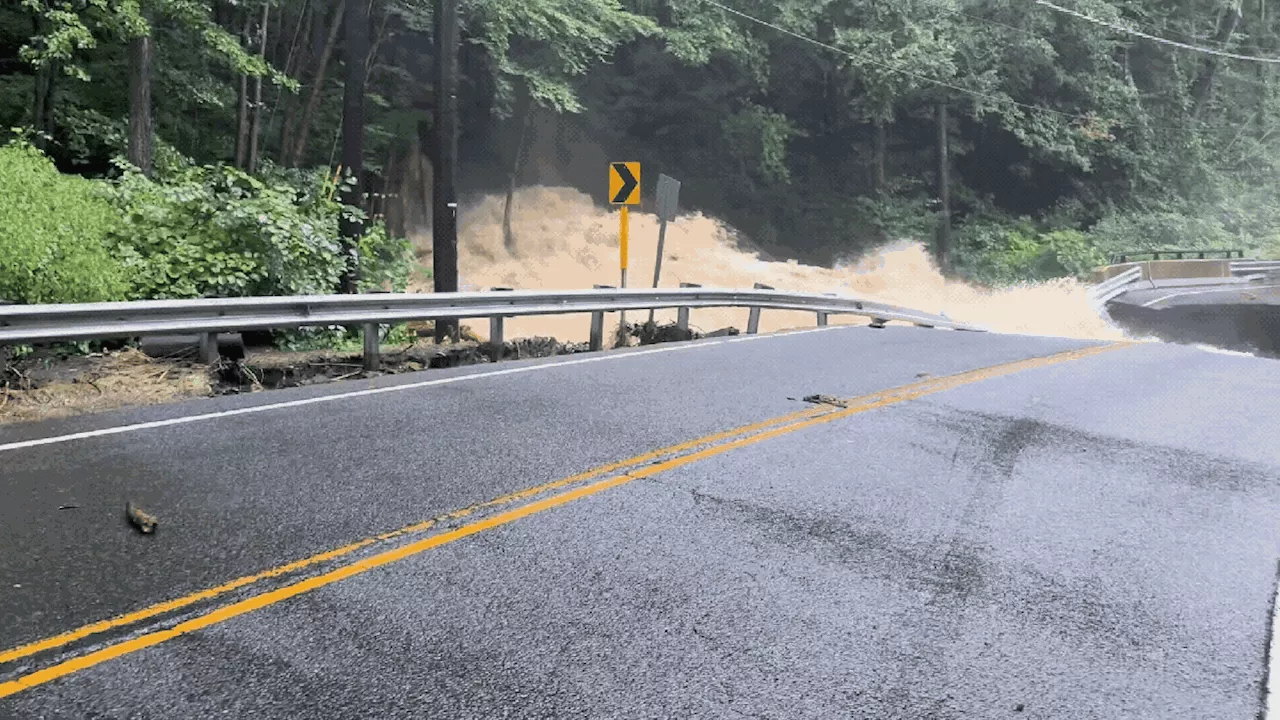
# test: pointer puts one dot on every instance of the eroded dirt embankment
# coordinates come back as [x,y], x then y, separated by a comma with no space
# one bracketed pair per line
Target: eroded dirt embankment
[47,384]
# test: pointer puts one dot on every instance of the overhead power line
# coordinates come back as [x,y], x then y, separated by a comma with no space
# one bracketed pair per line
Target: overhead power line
[1157,38]
[910,73]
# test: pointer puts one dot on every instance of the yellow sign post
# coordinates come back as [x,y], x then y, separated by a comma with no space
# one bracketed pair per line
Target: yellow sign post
[624,190]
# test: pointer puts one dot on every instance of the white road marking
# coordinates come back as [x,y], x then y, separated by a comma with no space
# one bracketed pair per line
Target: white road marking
[1271,712]
[390,389]
[1239,288]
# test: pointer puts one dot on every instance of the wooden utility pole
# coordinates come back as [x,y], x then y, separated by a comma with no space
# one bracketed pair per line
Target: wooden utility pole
[943,247]
[444,215]
[355,51]
[141,131]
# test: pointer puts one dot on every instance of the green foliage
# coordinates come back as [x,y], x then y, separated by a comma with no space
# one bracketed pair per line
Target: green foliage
[899,218]
[1074,252]
[1053,117]
[1000,252]
[54,231]
[546,44]
[1156,230]
[758,137]
[385,261]
[340,339]
[214,231]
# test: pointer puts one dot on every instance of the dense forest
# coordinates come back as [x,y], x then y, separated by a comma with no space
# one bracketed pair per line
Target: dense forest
[177,148]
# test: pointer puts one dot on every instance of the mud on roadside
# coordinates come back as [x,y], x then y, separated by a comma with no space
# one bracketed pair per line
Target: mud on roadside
[48,384]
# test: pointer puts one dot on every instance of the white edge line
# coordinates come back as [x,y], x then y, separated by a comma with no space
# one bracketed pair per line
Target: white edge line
[18,445]
[1270,712]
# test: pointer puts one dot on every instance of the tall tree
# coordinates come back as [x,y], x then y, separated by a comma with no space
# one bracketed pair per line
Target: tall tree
[295,157]
[1203,87]
[444,212]
[255,133]
[242,107]
[355,56]
[943,246]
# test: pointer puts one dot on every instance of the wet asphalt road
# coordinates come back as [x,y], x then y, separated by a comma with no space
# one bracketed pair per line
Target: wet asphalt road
[1264,292]
[1093,539]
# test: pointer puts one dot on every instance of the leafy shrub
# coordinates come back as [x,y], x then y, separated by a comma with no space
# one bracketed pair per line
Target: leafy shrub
[900,218]
[215,231]
[1003,252]
[385,261]
[1160,230]
[53,231]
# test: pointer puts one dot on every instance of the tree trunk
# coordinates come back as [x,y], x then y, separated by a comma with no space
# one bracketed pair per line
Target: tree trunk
[1202,89]
[355,52]
[444,214]
[943,248]
[242,109]
[508,237]
[42,90]
[317,87]
[881,141]
[40,103]
[255,134]
[141,132]
[284,100]
[419,181]
[392,187]
[378,38]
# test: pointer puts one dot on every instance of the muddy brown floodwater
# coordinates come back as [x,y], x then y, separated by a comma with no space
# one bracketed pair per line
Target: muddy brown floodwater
[564,241]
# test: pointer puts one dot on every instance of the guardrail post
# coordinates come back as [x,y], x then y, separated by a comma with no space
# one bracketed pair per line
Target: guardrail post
[597,325]
[371,349]
[822,316]
[682,313]
[208,351]
[753,317]
[496,338]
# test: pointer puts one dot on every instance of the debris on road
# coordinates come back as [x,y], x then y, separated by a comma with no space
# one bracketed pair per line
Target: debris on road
[826,400]
[146,523]
[68,507]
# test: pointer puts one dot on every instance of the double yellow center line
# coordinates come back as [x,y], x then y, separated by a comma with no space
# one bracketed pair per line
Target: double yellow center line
[579,486]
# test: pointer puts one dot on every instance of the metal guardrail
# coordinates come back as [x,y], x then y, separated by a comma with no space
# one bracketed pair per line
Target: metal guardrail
[1238,271]
[1125,256]
[1107,290]
[1255,267]
[206,317]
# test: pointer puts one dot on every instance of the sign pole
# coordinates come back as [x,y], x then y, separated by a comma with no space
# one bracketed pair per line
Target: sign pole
[624,190]
[657,266]
[623,219]
[668,199]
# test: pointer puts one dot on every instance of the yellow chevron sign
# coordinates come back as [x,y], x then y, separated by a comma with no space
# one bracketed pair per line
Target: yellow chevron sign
[624,183]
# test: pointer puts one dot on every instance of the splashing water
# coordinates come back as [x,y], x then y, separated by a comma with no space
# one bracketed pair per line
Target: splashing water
[564,241]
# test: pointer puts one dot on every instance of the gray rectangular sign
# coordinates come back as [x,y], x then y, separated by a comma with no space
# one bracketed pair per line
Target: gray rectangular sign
[668,197]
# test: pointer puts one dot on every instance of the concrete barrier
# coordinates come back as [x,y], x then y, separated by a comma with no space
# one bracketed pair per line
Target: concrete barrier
[1167,270]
